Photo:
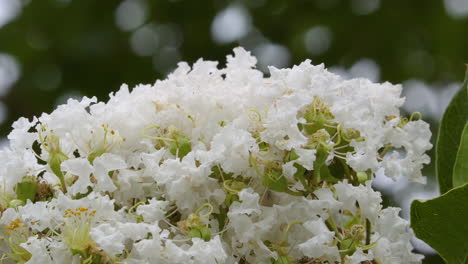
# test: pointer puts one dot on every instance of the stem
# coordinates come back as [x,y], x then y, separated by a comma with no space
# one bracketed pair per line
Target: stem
[257,113]
[228,188]
[285,233]
[305,184]
[413,115]
[368,233]
[132,209]
[201,208]
[316,178]
[355,178]
[293,193]
[62,183]
[387,148]
[346,168]
[332,227]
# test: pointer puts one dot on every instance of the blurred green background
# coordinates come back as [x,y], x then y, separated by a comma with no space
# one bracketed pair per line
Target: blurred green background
[51,50]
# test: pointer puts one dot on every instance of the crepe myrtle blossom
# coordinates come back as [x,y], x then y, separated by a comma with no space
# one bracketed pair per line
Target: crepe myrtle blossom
[214,166]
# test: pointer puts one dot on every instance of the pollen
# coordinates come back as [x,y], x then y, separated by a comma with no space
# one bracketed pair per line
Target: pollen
[80,211]
[15,224]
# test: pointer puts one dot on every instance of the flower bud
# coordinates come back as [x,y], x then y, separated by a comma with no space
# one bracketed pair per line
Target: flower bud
[15,203]
[55,162]
[362,177]
[351,133]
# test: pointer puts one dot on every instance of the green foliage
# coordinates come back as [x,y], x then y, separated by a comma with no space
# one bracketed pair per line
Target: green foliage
[441,223]
[26,189]
[281,260]
[275,180]
[180,147]
[450,131]
[460,170]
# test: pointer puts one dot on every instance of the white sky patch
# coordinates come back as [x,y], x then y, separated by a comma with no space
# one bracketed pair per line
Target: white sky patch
[9,72]
[145,40]
[317,40]
[62,99]
[170,35]
[270,54]
[428,100]
[131,14]
[166,60]
[231,24]
[365,68]
[339,70]
[457,9]
[364,7]
[9,10]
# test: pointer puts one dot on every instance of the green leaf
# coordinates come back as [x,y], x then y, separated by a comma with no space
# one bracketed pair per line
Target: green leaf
[181,147]
[450,130]
[460,170]
[442,223]
[281,260]
[27,189]
[275,180]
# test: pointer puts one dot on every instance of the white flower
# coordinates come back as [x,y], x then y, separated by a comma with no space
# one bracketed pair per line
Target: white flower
[79,167]
[108,238]
[281,122]
[17,164]
[306,158]
[40,215]
[149,250]
[249,204]
[318,245]
[211,252]
[414,139]
[358,257]
[38,249]
[231,148]
[369,200]
[214,165]
[154,211]
[102,166]
[20,137]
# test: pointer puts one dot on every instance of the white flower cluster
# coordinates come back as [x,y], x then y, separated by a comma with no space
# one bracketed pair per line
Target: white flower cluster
[214,166]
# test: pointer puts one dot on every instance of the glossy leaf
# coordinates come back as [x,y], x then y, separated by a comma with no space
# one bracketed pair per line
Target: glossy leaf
[460,170]
[441,223]
[450,131]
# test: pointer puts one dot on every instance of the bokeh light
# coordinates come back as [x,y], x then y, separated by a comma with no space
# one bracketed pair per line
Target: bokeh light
[364,7]
[456,8]
[318,39]
[9,9]
[55,49]
[9,72]
[130,14]
[231,24]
